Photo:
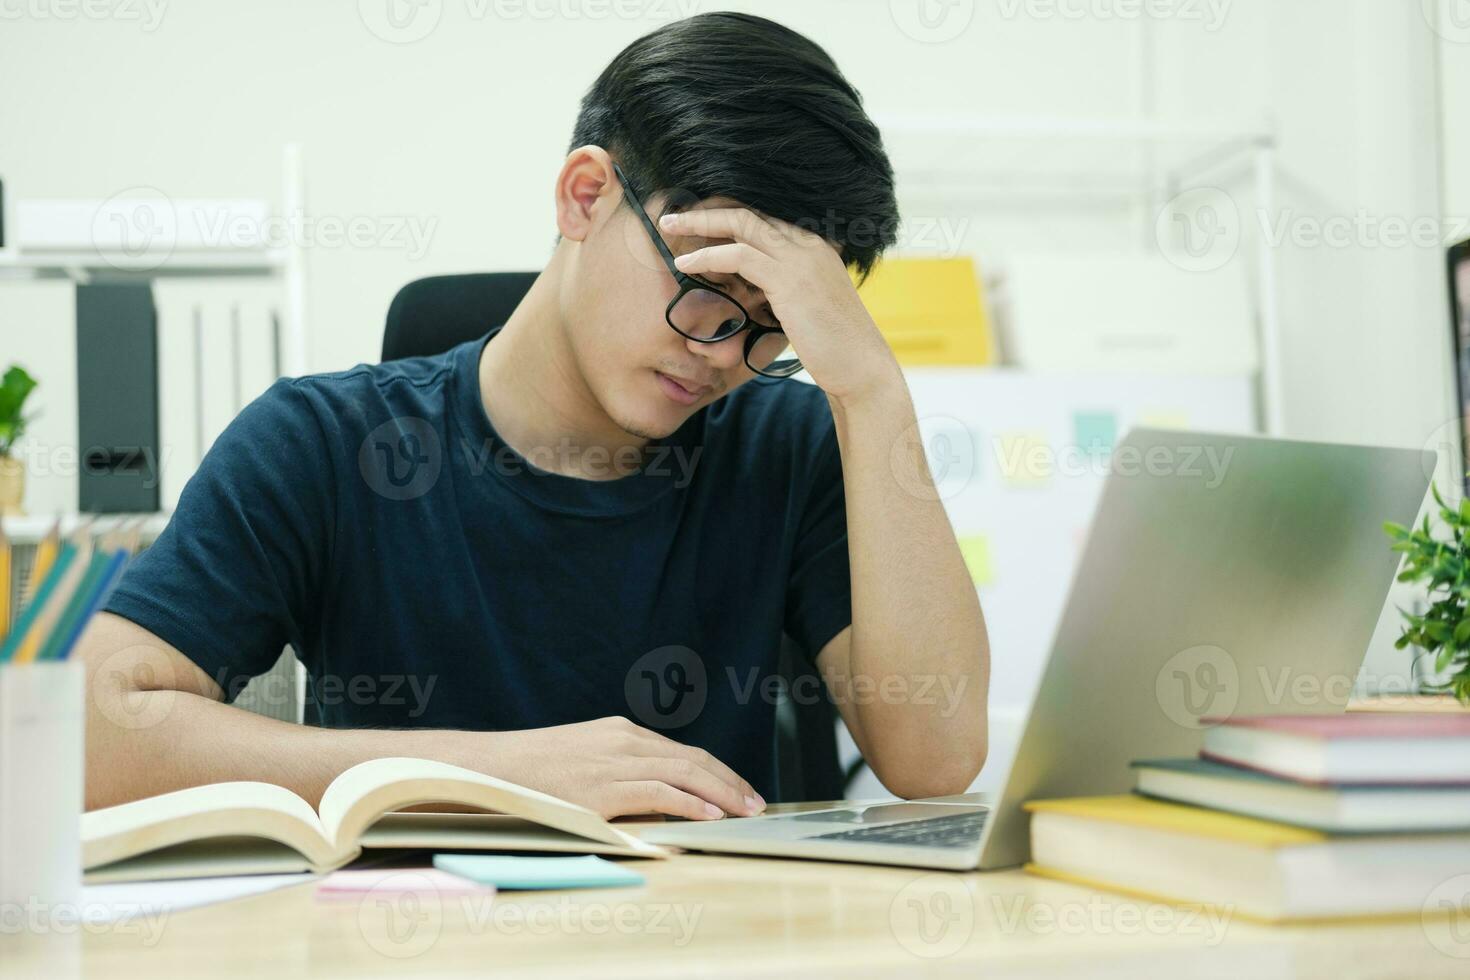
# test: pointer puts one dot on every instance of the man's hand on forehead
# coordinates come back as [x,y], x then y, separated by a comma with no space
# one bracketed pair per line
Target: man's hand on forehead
[804,280]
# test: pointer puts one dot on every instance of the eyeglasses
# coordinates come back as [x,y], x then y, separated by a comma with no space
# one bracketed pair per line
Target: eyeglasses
[707,314]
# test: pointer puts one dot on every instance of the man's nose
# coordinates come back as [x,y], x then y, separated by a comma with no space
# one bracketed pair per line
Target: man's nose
[722,354]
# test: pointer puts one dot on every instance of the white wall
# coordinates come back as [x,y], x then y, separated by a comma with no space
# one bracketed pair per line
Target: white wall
[1365,327]
[1454,64]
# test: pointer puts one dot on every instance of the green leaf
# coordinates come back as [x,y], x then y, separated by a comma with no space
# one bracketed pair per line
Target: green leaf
[1437,631]
[15,387]
[1442,662]
[1462,633]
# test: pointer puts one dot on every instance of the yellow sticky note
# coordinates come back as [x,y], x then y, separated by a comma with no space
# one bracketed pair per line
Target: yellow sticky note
[930,310]
[976,551]
[1164,420]
[1025,458]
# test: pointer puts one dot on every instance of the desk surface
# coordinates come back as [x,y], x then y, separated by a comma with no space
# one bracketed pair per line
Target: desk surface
[734,916]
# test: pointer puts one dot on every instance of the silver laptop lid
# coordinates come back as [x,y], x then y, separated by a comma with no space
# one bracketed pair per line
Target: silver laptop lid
[1223,575]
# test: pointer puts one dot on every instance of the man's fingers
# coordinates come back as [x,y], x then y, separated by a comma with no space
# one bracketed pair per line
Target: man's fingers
[691,778]
[735,258]
[662,746]
[740,224]
[653,796]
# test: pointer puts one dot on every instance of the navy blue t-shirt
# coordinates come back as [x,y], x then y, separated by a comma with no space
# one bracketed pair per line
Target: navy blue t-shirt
[428,575]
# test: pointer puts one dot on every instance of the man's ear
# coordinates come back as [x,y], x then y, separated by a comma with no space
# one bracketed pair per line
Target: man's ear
[587,191]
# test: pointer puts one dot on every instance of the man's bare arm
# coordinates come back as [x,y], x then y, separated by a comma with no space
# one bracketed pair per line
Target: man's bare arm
[156,722]
[912,673]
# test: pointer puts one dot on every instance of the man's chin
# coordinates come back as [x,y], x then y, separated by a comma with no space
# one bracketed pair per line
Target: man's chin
[650,429]
[654,419]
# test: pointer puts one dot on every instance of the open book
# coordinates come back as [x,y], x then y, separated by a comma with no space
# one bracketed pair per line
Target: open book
[258,828]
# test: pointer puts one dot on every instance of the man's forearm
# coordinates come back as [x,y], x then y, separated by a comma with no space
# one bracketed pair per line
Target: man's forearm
[916,617]
[188,740]
[155,724]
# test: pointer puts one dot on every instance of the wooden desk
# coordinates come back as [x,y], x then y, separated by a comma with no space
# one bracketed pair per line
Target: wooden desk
[733,916]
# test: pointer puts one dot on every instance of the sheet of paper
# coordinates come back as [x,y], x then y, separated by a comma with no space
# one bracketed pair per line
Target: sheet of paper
[355,883]
[130,900]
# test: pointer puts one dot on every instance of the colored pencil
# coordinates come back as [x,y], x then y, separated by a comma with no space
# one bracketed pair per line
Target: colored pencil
[46,553]
[32,611]
[66,586]
[4,584]
[103,574]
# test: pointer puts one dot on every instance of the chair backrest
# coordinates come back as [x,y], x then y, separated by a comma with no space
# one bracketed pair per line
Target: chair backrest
[429,316]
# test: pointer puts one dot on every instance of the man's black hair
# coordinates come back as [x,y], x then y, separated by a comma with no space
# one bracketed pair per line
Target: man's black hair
[730,105]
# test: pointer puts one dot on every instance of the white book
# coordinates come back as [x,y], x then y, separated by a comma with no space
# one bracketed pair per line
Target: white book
[259,828]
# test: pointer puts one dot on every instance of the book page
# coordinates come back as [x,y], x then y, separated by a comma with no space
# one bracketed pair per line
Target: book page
[202,812]
[367,791]
[477,832]
[213,858]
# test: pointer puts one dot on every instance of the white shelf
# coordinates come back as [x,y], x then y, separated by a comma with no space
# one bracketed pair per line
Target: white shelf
[1134,164]
[188,259]
[31,528]
[1052,127]
[963,156]
[87,266]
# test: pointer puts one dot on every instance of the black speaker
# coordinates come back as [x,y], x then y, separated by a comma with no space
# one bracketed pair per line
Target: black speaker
[117,398]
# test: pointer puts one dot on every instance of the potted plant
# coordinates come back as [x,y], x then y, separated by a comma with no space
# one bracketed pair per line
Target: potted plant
[15,388]
[1443,631]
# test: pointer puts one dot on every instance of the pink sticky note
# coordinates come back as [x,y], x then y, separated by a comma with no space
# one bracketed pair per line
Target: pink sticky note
[424,882]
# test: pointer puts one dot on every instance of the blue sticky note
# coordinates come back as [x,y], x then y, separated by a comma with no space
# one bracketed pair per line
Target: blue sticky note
[1095,432]
[584,871]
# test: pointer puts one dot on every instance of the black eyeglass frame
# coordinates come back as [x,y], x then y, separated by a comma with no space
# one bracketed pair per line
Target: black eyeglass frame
[755,330]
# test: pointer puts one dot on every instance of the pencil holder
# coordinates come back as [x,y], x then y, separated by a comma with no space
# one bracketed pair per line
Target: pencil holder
[41,775]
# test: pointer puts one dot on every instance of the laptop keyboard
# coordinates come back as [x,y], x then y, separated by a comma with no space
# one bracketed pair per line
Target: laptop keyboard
[960,830]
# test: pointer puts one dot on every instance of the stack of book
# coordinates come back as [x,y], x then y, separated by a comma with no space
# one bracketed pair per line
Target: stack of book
[1282,818]
[68,584]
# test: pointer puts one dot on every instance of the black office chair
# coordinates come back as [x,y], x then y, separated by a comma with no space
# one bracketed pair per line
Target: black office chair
[429,316]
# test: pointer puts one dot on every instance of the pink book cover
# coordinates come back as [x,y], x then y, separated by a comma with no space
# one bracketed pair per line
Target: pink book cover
[1349,726]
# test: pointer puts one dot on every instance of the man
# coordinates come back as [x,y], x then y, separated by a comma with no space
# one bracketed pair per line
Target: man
[497,557]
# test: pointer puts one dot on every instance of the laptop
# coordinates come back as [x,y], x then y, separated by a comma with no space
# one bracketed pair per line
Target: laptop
[1223,575]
